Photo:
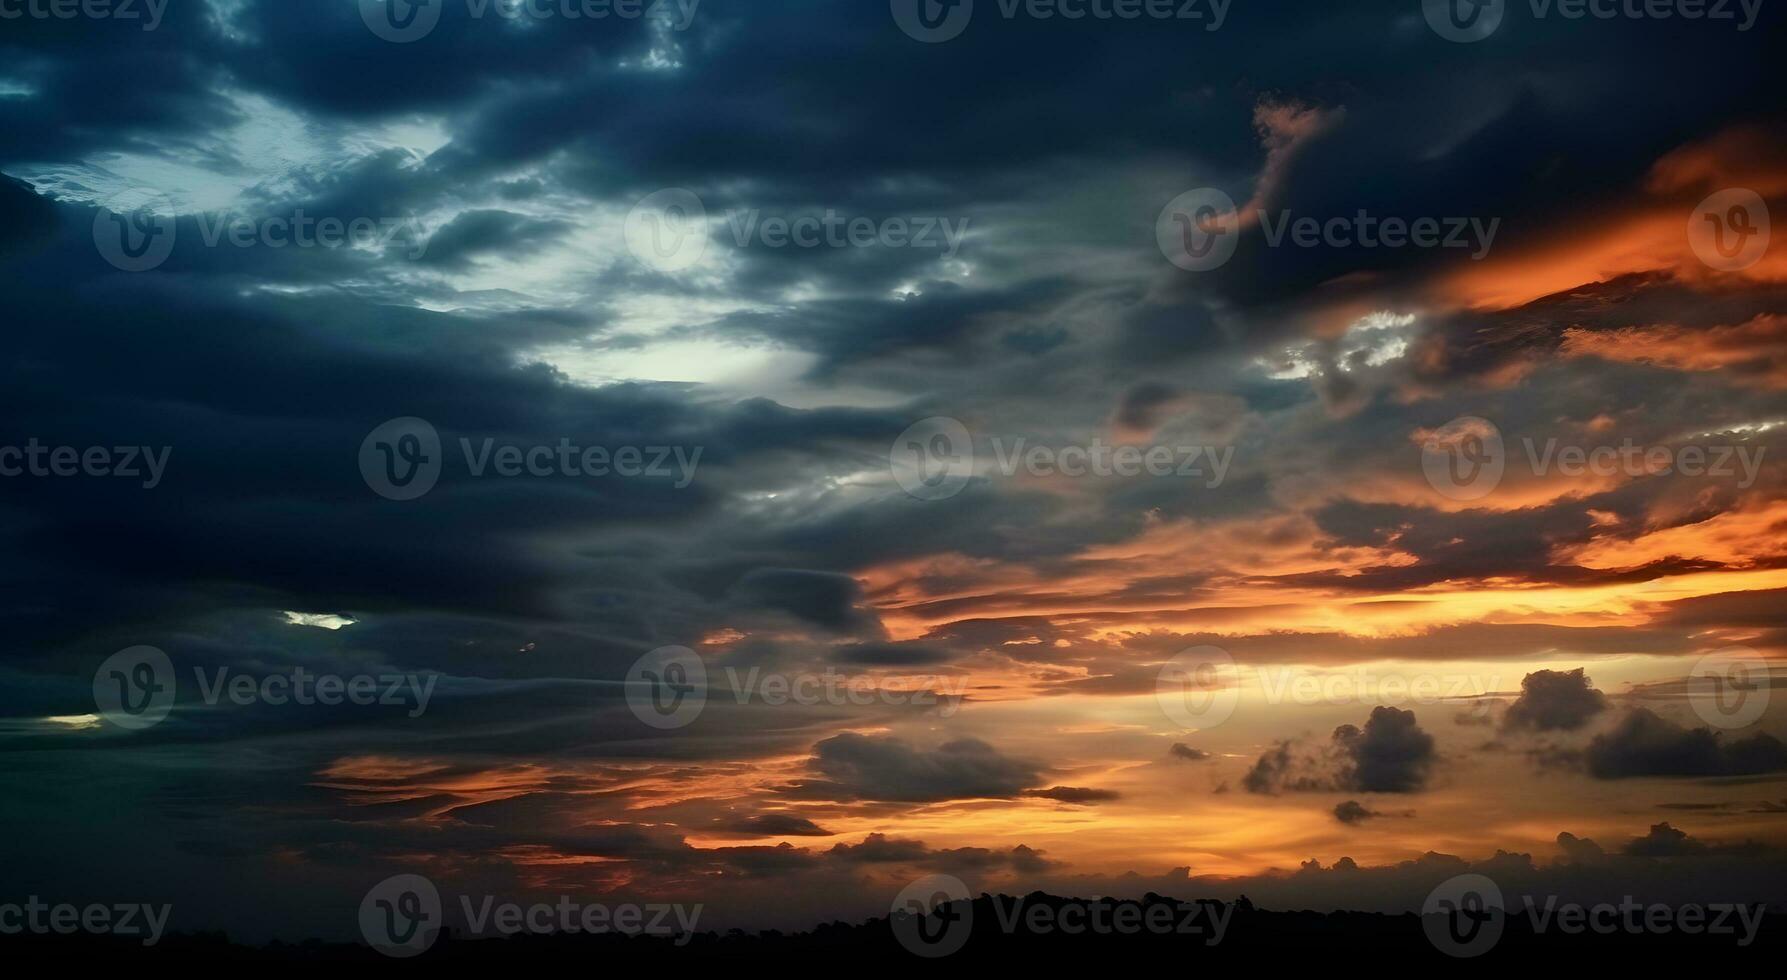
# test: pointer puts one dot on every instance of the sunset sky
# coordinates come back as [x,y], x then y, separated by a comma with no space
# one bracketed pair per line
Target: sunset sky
[1309,551]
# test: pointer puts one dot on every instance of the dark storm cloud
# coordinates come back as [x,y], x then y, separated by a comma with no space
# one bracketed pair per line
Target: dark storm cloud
[1078,795]
[1186,753]
[1391,754]
[476,233]
[862,767]
[1646,744]
[779,825]
[1554,700]
[265,368]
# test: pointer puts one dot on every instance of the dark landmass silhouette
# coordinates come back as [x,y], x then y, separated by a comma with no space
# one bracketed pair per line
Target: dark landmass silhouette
[995,931]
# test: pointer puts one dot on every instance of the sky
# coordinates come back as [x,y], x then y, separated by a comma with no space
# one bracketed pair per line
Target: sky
[759,453]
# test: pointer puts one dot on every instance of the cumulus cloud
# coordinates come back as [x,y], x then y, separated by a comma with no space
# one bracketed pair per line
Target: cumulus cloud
[1391,754]
[1552,700]
[1646,744]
